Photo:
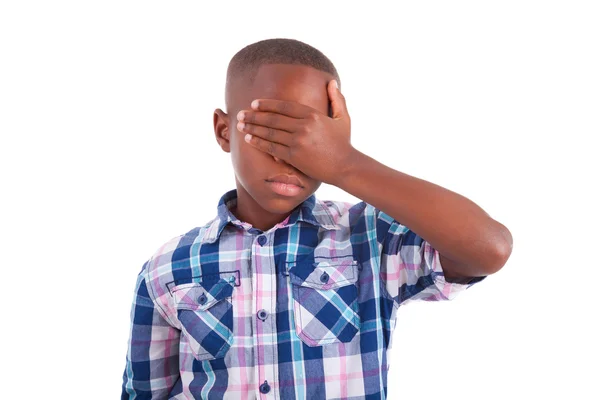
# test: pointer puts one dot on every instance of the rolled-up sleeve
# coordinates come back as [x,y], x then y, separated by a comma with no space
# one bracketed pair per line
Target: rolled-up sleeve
[152,361]
[410,267]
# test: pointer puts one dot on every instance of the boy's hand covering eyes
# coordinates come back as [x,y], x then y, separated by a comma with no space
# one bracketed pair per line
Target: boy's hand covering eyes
[311,141]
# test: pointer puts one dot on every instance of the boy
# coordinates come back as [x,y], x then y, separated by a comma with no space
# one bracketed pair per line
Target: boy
[282,295]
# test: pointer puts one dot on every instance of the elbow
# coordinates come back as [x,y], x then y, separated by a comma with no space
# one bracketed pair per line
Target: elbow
[502,251]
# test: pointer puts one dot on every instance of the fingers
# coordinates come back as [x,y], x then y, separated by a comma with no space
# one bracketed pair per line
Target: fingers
[276,121]
[338,102]
[289,108]
[266,132]
[272,148]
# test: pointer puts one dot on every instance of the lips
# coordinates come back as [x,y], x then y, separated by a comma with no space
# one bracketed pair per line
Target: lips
[287,179]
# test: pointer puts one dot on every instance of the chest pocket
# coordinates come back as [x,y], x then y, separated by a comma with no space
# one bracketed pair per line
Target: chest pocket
[325,301]
[205,312]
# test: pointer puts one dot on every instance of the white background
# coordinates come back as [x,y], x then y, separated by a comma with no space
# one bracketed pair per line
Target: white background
[107,151]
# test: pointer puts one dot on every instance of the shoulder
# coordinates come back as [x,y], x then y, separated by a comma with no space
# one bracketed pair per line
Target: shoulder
[349,214]
[167,263]
[362,218]
[174,251]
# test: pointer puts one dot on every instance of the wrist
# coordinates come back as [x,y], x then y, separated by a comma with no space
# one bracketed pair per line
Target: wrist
[349,167]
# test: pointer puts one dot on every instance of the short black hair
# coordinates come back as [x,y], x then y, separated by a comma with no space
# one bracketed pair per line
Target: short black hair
[246,62]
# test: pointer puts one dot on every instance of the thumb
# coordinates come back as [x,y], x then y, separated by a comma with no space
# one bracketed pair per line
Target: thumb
[338,101]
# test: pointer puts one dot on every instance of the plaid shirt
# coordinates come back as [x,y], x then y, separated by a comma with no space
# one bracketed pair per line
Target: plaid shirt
[305,310]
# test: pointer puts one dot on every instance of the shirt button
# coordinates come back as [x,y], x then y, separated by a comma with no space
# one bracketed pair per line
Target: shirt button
[262,240]
[202,299]
[262,315]
[324,277]
[264,388]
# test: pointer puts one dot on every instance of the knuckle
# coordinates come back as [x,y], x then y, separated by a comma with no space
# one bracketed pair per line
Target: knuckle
[297,141]
[270,133]
[271,148]
[303,128]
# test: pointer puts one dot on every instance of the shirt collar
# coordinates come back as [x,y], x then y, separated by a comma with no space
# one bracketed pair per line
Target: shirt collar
[311,210]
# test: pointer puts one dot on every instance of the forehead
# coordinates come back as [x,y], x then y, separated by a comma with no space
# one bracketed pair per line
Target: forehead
[298,83]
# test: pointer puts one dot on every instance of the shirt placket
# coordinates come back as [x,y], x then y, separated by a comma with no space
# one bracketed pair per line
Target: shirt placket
[264,322]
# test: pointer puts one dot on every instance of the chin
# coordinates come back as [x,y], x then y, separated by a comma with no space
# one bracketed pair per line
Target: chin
[281,205]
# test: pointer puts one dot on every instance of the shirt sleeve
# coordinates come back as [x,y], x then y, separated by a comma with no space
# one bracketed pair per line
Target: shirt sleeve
[152,362]
[410,267]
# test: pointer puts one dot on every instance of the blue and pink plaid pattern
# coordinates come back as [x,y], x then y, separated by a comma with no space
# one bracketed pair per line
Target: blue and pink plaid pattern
[305,310]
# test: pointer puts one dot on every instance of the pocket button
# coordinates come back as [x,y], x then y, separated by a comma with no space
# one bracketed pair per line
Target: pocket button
[324,277]
[202,299]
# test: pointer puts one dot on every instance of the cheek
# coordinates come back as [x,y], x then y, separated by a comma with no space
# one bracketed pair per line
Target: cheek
[246,159]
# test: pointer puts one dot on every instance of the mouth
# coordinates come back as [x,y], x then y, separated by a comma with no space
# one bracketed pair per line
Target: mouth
[285,189]
[284,179]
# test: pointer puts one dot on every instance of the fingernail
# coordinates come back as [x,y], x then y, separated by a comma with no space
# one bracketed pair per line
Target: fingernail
[248,137]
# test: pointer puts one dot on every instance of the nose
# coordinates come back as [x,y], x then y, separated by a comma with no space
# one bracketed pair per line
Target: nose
[292,170]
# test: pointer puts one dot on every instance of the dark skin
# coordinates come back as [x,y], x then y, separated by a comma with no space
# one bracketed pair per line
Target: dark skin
[257,204]
[289,130]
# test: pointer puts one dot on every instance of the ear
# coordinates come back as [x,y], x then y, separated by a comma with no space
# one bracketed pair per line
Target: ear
[222,131]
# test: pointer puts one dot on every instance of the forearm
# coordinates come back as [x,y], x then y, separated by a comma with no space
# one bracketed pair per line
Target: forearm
[451,223]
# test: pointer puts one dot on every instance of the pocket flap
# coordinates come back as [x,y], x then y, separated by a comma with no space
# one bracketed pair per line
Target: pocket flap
[202,295]
[324,274]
